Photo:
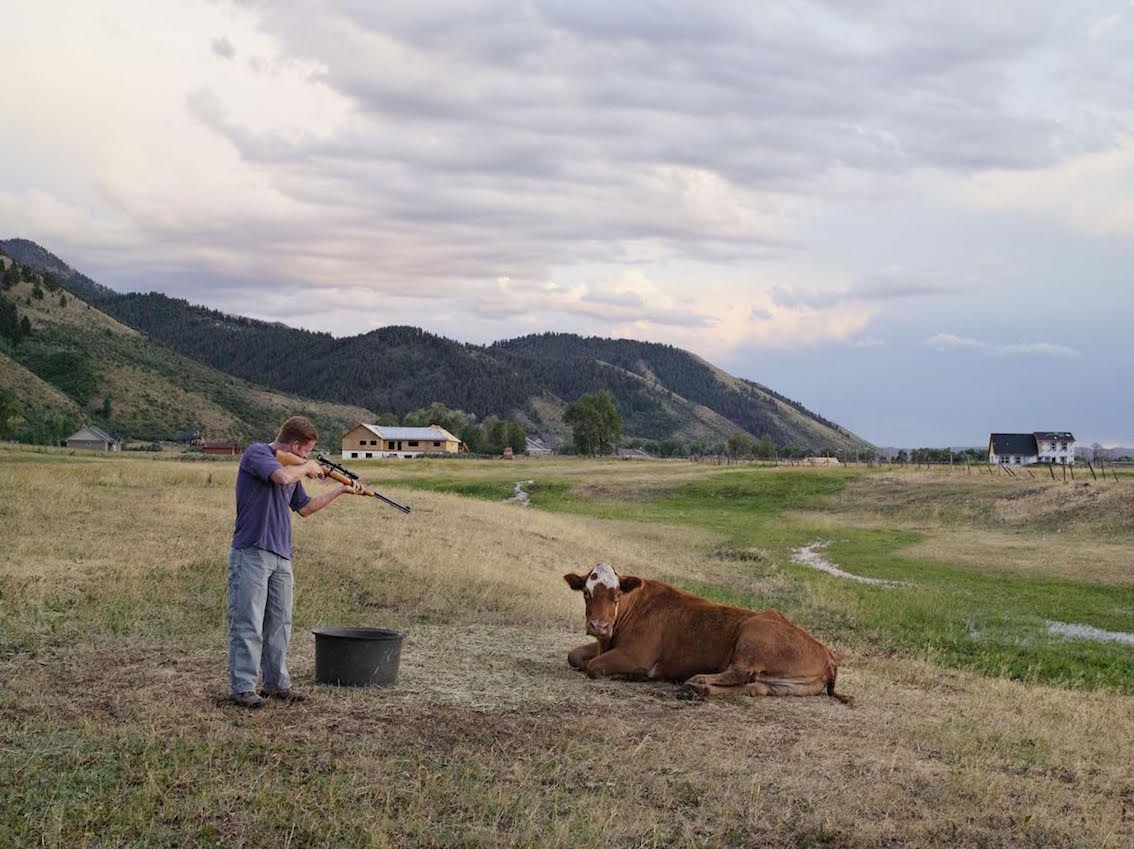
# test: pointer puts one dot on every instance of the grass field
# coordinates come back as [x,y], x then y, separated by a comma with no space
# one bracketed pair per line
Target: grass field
[975,725]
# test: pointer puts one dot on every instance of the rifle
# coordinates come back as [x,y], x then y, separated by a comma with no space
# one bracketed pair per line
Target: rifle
[336,472]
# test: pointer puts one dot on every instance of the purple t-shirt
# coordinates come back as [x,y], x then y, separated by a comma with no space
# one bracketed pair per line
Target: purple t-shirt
[262,519]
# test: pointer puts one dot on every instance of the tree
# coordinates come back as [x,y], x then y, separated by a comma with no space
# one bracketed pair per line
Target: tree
[9,409]
[516,438]
[495,435]
[766,448]
[741,445]
[437,414]
[595,423]
[10,321]
[473,438]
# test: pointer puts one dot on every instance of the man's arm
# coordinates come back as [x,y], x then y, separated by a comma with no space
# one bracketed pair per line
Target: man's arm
[286,475]
[318,502]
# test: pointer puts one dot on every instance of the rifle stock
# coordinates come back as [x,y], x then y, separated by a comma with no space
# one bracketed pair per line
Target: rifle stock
[338,473]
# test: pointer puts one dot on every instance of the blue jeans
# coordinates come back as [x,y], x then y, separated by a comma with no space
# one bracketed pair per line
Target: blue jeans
[259,619]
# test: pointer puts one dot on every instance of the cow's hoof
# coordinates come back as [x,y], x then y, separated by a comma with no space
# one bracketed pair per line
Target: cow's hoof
[691,692]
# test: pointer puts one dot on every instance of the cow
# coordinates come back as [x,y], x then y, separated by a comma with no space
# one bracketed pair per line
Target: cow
[647,629]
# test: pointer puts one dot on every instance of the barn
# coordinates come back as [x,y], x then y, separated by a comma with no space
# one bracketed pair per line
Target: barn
[91,438]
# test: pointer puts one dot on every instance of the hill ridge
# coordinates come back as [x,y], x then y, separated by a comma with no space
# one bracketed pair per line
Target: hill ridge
[660,389]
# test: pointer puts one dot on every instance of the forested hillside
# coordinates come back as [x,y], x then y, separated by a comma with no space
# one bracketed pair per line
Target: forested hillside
[66,363]
[659,390]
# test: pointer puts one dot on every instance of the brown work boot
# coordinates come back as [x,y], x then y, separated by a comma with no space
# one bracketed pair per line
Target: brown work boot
[248,700]
[290,695]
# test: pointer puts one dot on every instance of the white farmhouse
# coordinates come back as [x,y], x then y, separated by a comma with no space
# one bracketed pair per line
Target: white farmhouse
[1023,449]
[1056,447]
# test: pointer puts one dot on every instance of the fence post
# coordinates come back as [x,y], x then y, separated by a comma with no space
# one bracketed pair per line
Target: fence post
[1092,468]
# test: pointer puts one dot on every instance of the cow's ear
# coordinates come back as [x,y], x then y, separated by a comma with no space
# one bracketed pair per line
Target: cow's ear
[575,582]
[628,583]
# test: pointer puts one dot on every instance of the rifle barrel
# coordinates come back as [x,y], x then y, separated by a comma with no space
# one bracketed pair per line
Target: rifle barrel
[338,473]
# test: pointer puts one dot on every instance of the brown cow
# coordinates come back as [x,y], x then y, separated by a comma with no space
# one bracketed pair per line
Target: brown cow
[652,630]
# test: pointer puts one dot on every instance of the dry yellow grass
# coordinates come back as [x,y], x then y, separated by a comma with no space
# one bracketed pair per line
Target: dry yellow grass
[114,730]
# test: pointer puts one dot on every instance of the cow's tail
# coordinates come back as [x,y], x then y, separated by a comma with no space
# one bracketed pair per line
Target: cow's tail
[832,673]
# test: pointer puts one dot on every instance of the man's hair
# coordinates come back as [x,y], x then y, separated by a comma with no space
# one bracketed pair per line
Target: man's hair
[297,429]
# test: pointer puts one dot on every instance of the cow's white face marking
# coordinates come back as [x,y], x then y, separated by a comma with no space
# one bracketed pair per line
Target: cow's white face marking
[601,574]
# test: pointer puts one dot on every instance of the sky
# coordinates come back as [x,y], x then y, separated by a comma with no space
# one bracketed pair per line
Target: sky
[915,219]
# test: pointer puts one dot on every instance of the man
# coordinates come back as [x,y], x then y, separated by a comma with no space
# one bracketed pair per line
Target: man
[259,562]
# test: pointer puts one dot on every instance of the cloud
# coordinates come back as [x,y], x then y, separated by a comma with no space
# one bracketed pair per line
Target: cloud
[951,341]
[1093,192]
[409,152]
[223,47]
[880,287]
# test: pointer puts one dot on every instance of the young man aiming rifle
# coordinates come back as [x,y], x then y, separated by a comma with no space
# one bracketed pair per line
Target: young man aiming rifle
[259,562]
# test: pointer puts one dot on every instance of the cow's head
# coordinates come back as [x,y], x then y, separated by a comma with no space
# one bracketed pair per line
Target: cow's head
[602,589]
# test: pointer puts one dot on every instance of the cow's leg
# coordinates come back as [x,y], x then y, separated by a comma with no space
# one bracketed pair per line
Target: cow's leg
[718,682]
[578,657]
[615,662]
[770,686]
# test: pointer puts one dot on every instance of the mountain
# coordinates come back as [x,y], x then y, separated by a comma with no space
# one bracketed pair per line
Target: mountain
[79,365]
[28,253]
[660,391]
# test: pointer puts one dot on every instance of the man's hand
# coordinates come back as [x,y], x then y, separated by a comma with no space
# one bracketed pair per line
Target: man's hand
[313,470]
[355,488]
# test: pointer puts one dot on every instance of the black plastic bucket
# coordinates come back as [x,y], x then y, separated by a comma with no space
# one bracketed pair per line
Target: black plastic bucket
[356,657]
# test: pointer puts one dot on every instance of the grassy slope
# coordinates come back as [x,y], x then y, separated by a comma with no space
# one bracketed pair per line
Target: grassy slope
[38,400]
[155,393]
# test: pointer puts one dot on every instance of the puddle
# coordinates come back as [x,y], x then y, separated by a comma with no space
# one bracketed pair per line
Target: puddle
[809,556]
[1088,632]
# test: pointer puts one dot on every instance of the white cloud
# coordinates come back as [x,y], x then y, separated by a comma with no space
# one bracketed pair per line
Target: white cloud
[951,341]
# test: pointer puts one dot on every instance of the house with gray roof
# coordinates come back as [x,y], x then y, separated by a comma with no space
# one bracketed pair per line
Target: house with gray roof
[1023,449]
[91,438]
[365,441]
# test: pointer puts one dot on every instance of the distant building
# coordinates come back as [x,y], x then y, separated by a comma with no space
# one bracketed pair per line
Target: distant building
[633,454]
[91,438]
[1055,447]
[1023,449]
[365,441]
[537,447]
[219,448]
[820,461]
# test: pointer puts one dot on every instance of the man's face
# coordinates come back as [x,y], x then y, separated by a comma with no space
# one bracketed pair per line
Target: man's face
[301,449]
